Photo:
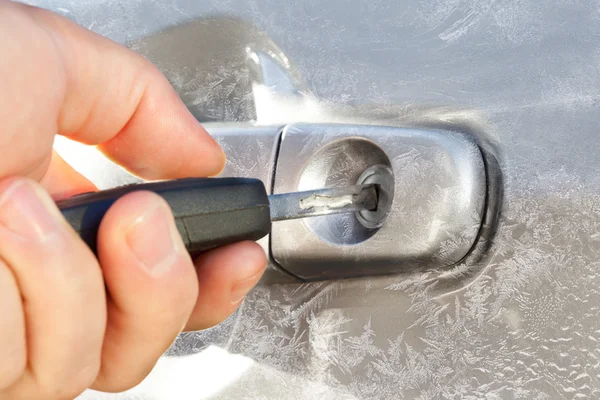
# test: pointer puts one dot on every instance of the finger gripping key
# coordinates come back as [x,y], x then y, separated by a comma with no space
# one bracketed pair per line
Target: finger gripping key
[209,212]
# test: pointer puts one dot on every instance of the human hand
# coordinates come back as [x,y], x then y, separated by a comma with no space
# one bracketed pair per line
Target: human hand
[70,321]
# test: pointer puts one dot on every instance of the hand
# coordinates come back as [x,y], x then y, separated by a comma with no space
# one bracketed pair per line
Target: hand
[69,321]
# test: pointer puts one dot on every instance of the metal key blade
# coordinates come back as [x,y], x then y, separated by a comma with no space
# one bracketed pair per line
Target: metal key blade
[322,202]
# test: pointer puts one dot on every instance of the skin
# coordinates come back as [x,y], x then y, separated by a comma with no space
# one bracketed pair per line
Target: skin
[69,321]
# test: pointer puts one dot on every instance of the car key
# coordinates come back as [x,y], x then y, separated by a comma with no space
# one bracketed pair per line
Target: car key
[212,212]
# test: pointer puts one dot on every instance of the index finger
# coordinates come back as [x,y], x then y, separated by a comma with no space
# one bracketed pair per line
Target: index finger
[118,100]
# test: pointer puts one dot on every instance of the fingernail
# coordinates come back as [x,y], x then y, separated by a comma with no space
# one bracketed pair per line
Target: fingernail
[152,238]
[28,211]
[241,288]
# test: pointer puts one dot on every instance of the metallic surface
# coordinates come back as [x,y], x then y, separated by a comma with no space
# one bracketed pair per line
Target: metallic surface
[518,319]
[433,222]
[312,203]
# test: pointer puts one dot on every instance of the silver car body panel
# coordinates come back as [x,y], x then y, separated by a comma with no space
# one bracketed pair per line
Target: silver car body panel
[521,321]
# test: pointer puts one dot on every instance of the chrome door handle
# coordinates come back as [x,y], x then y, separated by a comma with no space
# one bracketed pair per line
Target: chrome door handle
[433,183]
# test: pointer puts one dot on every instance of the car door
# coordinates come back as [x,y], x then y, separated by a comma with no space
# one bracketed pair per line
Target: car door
[487,114]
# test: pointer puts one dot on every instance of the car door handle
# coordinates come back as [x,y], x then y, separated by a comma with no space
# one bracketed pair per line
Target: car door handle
[433,181]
